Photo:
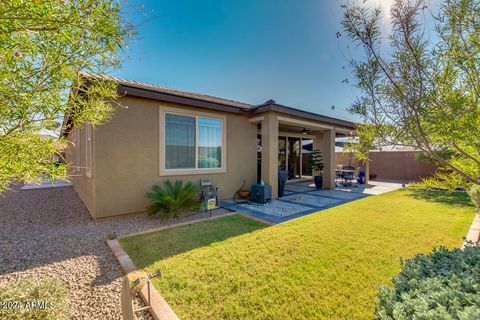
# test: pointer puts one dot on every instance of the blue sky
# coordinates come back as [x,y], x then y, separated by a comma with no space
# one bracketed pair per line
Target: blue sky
[246,50]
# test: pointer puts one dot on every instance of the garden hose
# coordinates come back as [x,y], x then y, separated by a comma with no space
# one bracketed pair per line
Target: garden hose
[237,194]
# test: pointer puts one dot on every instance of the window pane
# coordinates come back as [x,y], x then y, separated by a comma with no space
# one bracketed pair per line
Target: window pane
[307,147]
[259,158]
[209,143]
[293,158]
[179,141]
[282,153]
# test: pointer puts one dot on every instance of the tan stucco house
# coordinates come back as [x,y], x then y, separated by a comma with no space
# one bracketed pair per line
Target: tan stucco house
[171,134]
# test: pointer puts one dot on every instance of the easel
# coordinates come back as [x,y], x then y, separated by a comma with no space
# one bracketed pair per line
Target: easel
[131,285]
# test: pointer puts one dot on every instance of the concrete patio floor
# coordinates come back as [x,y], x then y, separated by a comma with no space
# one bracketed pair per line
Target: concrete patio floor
[302,198]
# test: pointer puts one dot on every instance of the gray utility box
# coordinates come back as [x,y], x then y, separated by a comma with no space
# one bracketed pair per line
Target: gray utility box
[261,193]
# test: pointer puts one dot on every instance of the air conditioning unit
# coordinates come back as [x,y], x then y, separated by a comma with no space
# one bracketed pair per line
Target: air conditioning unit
[261,193]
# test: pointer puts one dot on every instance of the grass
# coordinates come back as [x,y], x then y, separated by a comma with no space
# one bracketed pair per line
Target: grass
[327,265]
[147,248]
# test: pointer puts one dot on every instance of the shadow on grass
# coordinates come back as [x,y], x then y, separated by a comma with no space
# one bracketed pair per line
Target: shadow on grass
[458,199]
[148,248]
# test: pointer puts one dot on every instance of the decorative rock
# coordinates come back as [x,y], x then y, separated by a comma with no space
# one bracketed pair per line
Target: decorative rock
[49,233]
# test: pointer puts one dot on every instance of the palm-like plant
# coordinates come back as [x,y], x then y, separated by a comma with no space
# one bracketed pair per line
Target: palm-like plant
[173,199]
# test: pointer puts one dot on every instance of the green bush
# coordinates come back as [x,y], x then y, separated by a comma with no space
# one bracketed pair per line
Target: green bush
[444,284]
[316,161]
[173,200]
[474,193]
[40,300]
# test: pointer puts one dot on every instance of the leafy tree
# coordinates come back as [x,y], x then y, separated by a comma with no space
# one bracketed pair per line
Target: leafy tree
[420,90]
[44,47]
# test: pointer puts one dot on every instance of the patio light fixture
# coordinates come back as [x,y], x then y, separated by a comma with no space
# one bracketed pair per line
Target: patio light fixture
[305,131]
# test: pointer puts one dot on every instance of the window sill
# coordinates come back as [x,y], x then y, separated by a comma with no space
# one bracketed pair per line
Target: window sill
[184,172]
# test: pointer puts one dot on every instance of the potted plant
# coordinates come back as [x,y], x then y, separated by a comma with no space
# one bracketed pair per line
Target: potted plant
[243,193]
[316,161]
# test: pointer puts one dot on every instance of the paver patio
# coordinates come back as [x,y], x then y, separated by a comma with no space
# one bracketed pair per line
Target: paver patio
[302,198]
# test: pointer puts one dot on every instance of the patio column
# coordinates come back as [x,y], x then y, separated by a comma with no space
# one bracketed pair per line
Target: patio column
[367,171]
[325,142]
[270,151]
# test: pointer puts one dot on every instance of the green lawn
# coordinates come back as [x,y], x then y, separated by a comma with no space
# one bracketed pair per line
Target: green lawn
[326,265]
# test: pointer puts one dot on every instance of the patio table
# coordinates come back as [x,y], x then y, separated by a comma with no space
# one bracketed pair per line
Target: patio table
[340,173]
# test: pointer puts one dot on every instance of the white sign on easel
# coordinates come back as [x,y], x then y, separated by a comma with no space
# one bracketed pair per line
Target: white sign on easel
[132,283]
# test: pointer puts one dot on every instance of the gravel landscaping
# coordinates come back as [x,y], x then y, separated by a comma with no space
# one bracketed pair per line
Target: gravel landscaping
[49,233]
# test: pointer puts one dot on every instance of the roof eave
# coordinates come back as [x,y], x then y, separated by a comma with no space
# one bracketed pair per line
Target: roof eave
[301,113]
[173,98]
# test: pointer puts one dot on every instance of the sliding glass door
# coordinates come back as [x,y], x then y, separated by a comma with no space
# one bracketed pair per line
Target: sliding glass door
[307,148]
[294,155]
[282,153]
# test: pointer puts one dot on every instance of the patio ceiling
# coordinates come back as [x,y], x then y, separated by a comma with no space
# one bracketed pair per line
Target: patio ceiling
[295,125]
[296,129]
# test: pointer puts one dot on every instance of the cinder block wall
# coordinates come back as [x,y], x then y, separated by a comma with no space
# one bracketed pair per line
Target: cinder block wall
[394,165]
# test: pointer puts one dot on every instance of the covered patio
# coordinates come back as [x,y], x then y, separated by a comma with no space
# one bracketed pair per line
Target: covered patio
[302,198]
[286,138]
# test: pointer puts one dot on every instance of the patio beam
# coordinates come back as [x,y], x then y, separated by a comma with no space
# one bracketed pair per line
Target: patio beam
[256,120]
[304,124]
[345,131]
[270,151]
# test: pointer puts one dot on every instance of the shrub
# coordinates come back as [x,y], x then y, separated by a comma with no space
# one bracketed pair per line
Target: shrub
[444,284]
[443,180]
[474,193]
[173,200]
[39,300]
[316,160]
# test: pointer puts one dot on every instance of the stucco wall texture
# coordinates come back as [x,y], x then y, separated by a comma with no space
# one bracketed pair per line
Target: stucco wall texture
[127,153]
[76,157]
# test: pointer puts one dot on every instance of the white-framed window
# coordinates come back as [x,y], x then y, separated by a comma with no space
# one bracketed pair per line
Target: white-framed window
[191,142]
[88,150]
